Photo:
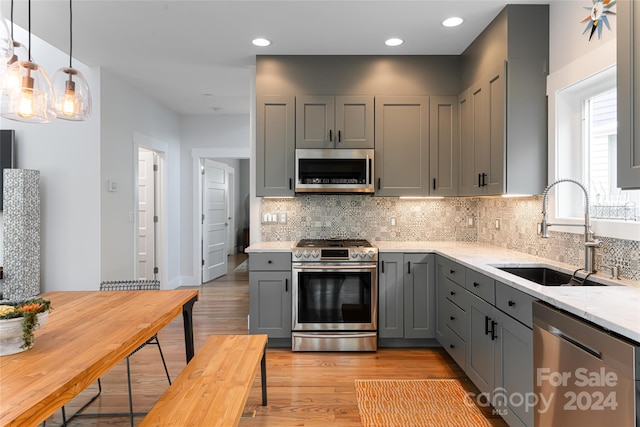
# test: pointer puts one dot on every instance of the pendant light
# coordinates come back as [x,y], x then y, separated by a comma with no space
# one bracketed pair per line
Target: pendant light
[6,42]
[73,98]
[31,99]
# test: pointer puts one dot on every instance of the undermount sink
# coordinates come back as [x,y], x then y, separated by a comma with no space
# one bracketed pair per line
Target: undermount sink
[547,277]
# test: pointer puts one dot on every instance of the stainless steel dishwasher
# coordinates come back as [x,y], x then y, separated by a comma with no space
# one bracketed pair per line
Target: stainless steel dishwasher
[583,375]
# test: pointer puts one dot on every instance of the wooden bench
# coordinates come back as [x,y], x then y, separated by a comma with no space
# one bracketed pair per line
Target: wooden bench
[213,388]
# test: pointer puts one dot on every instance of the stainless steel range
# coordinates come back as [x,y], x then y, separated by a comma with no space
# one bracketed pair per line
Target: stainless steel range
[335,295]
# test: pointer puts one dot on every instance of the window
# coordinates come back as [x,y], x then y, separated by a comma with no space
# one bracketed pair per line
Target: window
[599,140]
[586,130]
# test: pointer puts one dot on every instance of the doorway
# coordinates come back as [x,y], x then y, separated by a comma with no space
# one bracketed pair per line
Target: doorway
[215,218]
[146,265]
[149,209]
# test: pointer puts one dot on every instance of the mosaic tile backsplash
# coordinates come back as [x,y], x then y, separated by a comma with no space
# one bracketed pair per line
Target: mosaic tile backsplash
[359,216]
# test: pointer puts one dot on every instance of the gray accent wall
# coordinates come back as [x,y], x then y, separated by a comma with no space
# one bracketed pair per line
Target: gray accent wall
[357,75]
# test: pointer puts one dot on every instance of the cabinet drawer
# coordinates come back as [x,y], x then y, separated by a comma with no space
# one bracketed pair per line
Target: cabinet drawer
[454,345]
[453,271]
[456,318]
[276,261]
[515,303]
[481,285]
[455,293]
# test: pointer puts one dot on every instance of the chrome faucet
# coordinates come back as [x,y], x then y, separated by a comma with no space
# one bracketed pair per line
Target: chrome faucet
[590,242]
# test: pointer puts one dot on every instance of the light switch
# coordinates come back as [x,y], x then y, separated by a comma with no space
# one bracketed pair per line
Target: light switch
[112,186]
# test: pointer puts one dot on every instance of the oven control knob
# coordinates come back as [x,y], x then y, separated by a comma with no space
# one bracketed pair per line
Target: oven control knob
[306,254]
[370,254]
[354,254]
[297,254]
[315,254]
[363,254]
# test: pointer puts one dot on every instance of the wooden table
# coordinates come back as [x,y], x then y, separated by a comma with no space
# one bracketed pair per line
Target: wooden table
[87,333]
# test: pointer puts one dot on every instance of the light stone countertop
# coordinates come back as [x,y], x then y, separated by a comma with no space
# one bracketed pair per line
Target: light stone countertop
[615,307]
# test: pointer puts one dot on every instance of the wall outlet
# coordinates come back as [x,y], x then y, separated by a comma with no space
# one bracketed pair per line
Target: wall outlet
[282,217]
[470,221]
[498,224]
[392,221]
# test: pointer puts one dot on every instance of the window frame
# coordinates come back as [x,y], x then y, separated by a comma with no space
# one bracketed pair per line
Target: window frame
[599,60]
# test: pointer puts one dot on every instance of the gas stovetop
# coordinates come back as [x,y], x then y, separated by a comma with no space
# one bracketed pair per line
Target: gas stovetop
[334,250]
[334,243]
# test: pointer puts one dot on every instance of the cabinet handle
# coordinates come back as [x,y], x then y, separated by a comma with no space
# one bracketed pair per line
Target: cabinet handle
[452,272]
[269,262]
[290,184]
[484,183]
[476,284]
[452,293]
[339,136]
[409,267]
[286,285]
[486,325]
[378,183]
[479,180]
[511,303]
[451,346]
[330,135]
[493,330]
[452,318]
[382,267]
[434,183]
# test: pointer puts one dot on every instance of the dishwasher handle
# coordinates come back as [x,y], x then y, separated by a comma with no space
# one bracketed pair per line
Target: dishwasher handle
[576,343]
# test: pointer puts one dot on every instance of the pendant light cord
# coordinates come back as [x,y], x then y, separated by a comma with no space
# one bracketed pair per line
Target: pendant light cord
[12,22]
[70,33]
[29,31]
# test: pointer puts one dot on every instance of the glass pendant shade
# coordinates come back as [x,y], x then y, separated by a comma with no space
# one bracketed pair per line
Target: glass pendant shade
[20,53]
[6,42]
[72,96]
[27,94]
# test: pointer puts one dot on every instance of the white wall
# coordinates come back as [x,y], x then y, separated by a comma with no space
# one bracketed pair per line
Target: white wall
[566,41]
[67,154]
[216,137]
[126,111]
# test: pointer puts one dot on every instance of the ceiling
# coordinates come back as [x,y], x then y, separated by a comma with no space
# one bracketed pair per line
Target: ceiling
[195,57]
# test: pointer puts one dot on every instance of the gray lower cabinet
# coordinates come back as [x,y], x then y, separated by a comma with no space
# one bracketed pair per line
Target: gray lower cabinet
[406,296]
[452,325]
[275,145]
[270,294]
[628,81]
[486,327]
[402,145]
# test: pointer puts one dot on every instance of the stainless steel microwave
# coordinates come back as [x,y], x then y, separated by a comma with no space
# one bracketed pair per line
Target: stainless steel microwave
[334,171]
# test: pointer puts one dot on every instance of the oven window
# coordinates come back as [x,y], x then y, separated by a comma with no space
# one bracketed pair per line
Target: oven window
[334,297]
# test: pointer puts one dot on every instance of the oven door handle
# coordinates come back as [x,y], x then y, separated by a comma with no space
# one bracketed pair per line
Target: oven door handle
[330,335]
[335,267]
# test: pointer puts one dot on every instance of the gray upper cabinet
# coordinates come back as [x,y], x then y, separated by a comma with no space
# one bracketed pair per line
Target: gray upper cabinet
[443,145]
[402,145]
[334,122]
[503,110]
[275,145]
[628,81]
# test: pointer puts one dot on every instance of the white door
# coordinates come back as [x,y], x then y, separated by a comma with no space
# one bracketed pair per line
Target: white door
[146,215]
[231,229]
[215,189]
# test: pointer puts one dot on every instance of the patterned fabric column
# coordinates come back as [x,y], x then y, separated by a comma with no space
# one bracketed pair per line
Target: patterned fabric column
[21,233]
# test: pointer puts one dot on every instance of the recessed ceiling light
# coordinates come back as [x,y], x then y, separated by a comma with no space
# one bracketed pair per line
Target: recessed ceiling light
[452,22]
[394,42]
[261,42]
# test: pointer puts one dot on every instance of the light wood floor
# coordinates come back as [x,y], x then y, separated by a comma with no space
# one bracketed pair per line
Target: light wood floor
[304,389]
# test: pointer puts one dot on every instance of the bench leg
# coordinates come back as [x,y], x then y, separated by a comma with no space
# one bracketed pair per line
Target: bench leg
[263,374]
